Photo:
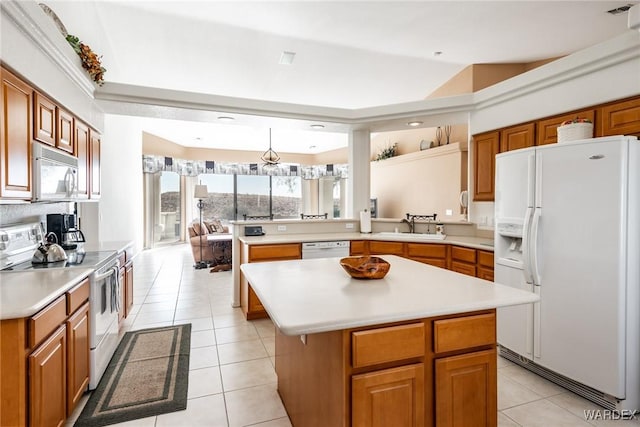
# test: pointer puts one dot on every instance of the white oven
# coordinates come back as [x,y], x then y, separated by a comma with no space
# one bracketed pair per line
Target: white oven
[104,296]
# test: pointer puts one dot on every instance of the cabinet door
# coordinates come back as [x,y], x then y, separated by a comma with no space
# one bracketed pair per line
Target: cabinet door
[356,247]
[82,152]
[77,356]
[44,119]
[65,131]
[15,137]
[391,397]
[516,137]
[94,164]
[485,273]
[255,308]
[547,130]
[466,390]
[464,268]
[128,290]
[48,381]
[622,118]
[485,148]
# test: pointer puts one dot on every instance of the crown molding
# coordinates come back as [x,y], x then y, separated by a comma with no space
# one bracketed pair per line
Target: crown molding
[31,21]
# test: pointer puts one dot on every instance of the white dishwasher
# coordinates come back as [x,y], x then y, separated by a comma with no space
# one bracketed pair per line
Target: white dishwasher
[325,249]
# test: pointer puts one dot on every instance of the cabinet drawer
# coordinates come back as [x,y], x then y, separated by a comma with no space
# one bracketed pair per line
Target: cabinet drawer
[47,320]
[485,258]
[464,332]
[387,344]
[392,248]
[463,254]
[426,250]
[274,252]
[464,268]
[77,295]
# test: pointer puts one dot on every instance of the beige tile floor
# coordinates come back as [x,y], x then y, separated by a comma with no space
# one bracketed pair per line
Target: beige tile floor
[232,381]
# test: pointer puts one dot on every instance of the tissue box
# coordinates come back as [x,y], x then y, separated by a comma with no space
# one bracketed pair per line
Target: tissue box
[575,131]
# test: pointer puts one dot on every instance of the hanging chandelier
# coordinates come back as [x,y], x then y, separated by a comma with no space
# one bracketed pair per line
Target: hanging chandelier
[270,157]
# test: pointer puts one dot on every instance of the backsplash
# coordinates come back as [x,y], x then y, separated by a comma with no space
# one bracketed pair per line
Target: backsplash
[31,212]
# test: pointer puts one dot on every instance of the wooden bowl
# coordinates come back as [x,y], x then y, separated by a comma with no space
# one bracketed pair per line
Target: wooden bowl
[365,267]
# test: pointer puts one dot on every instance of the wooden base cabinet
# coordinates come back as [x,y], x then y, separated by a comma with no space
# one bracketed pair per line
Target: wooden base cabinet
[466,390]
[47,381]
[392,397]
[45,361]
[251,305]
[77,357]
[428,372]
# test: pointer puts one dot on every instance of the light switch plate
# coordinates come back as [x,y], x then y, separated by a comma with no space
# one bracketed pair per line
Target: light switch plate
[448,212]
[282,228]
[349,225]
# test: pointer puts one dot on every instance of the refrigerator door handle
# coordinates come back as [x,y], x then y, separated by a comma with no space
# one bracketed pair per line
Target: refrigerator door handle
[526,252]
[535,226]
[536,325]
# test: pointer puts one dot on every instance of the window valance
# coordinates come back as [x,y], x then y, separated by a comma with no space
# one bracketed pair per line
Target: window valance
[154,164]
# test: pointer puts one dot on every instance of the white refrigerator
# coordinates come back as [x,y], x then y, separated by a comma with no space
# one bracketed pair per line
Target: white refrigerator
[568,228]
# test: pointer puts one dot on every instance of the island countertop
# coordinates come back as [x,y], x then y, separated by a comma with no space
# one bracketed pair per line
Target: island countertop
[317,295]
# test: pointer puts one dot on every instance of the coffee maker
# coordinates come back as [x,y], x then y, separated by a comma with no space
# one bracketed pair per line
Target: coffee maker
[65,229]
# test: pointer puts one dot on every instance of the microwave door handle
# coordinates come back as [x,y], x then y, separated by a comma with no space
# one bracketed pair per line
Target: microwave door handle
[68,181]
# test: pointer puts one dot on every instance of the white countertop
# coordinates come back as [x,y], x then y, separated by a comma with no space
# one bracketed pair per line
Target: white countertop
[468,241]
[24,293]
[317,295]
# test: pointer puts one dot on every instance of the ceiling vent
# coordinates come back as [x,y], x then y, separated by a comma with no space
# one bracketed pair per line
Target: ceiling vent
[621,9]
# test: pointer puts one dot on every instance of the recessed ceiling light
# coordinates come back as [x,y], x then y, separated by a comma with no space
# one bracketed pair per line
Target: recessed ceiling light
[226,119]
[414,123]
[311,147]
[198,138]
[317,126]
[287,58]
[437,53]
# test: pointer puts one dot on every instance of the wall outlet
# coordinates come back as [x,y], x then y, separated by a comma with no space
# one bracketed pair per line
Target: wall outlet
[282,228]
[448,212]
[349,225]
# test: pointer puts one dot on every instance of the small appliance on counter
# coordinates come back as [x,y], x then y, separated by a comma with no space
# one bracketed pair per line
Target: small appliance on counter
[66,231]
[253,230]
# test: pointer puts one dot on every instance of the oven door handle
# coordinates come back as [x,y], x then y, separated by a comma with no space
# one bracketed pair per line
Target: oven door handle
[105,275]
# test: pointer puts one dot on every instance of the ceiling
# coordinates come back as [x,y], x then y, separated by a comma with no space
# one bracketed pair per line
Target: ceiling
[348,54]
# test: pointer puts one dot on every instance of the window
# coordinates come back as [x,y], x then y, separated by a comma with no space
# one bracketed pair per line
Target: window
[169,221]
[253,195]
[219,204]
[286,196]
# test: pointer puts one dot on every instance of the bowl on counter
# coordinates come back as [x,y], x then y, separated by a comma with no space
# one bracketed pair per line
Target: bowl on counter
[365,267]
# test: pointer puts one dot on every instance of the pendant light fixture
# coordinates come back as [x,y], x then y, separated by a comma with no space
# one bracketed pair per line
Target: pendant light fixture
[270,157]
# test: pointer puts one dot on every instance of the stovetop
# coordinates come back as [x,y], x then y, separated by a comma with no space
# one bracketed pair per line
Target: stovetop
[19,242]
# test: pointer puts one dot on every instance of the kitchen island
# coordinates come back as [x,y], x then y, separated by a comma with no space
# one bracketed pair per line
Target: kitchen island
[416,348]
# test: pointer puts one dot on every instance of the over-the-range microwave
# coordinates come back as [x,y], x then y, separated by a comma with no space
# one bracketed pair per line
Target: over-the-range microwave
[55,175]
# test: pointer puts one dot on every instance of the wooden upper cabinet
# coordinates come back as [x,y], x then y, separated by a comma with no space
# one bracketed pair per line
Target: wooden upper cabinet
[16,123]
[621,118]
[82,152]
[485,148]
[94,164]
[44,119]
[547,129]
[65,139]
[516,137]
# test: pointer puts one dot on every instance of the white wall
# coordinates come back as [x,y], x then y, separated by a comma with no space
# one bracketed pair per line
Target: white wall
[120,213]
